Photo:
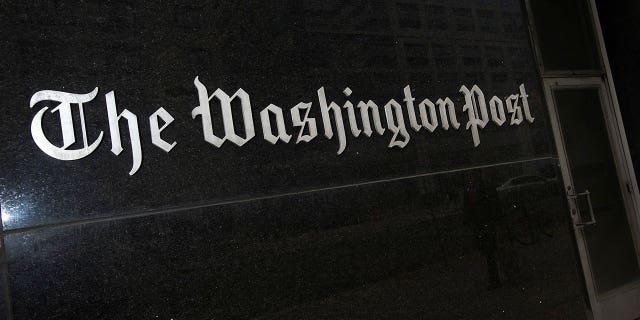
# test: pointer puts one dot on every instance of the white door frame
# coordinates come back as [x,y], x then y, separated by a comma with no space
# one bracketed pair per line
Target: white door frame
[622,302]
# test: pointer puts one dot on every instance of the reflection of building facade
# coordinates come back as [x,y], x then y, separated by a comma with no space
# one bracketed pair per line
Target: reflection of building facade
[535,220]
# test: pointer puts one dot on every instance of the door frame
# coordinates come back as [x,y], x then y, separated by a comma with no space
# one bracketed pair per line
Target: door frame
[605,75]
[614,303]
[615,110]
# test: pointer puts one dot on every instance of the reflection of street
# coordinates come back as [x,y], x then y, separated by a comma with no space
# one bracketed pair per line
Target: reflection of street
[457,290]
[483,214]
[506,217]
[528,202]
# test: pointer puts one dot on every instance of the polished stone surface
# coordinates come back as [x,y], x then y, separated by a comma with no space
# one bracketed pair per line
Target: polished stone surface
[5,300]
[437,229]
[279,53]
[334,254]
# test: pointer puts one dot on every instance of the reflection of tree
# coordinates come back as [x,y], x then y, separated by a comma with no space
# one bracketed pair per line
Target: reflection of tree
[526,225]
[483,214]
[525,202]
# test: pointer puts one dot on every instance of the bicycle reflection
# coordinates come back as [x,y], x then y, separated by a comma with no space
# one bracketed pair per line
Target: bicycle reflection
[503,216]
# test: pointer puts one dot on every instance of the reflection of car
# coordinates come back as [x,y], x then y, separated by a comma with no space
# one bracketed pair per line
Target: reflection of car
[526,189]
[528,202]
[524,182]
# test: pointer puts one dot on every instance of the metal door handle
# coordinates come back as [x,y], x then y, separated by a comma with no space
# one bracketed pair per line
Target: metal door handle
[592,217]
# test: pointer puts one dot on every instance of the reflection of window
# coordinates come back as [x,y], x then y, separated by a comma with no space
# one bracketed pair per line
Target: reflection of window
[464,19]
[408,15]
[487,21]
[564,35]
[443,54]
[436,18]
[471,56]
[417,54]
[494,56]
[527,179]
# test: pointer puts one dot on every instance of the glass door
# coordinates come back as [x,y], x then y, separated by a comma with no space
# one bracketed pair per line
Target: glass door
[600,193]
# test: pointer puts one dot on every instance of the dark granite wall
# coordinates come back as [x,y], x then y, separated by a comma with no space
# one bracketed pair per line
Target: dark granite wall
[621,31]
[438,229]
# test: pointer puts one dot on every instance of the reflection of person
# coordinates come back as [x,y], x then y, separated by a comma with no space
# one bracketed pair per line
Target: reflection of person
[483,214]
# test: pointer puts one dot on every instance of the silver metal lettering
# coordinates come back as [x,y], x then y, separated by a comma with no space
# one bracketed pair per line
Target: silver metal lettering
[447,113]
[65,100]
[114,128]
[156,130]
[408,99]
[267,131]
[514,109]
[306,122]
[326,120]
[395,123]
[430,122]
[366,122]
[351,114]
[476,108]
[525,104]
[204,111]
[497,111]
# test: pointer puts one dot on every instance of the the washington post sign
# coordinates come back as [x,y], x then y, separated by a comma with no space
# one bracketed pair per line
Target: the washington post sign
[363,117]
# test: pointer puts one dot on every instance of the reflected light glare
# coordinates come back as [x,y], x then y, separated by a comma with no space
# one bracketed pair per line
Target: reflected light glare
[6,217]
[15,210]
[9,214]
